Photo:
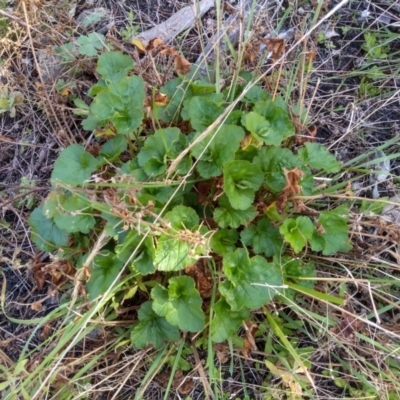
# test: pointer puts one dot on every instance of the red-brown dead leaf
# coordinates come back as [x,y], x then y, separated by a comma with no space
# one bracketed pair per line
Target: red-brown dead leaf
[181,65]
[182,383]
[221,351]
[293,177]
[169,51]
[38,275]
[276,46]
[310,137]
[202,277]
[37,306]
[251,52]
[154,44]
[249,341]
[45,332]
[161,99]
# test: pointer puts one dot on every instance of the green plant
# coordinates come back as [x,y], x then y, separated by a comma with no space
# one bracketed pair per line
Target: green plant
[132,29]
[9,101]
[374,47]
[236,203]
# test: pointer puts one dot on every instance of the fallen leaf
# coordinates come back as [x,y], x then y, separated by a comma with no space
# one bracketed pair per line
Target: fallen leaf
[139,45]
[202,277]
[154,44]
[251,52]
[38,275]
[310,137]
[181,65]
[37,306]
[249,341]
[276,46]
[169,51]
[221,351]
[292,187]
[45,331]
[160,99]
[186,387]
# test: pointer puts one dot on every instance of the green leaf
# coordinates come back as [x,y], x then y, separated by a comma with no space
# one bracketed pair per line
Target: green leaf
[44,232]
[203,112]
[74,215]
[74,166]
[182,217]
[226,322]
[90,44]
[152,329]
[277,114]
[225,215]
[317,156]
[143,259]
[297,231]
[224,241]
[272,161]
[250,282]
[214,151]
[114,65]
[52,202]
[121,103]
[105,269]
[335,232]
[172,254]
[264,238]
[111,150]
[372,208]
[295,269]
[180,304]
[241,180]
[163,146]
[176,90]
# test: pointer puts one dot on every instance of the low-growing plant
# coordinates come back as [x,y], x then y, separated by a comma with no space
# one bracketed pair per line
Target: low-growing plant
[9,101]
[230,223]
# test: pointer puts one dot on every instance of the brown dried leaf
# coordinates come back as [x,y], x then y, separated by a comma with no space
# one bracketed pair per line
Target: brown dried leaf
[154,44]
[276,46]
[249,341]
[251,52]
[292,187]
[169,51]
[161,99]
[38,276]
[37,306]
[181,65]
[222,351]
[310,137]
[45,332]
[202,277]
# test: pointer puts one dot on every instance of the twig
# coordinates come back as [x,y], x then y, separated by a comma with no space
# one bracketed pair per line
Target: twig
[177,23]
[17,20]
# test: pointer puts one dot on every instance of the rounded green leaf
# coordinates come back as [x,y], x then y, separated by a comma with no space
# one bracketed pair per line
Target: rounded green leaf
[241,180]
[114,65]
[263,237]
[74,166]
[44,232]
[250,282]
[180,304]
[106,267]
[152,329]
[74,215]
